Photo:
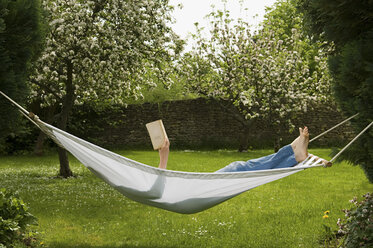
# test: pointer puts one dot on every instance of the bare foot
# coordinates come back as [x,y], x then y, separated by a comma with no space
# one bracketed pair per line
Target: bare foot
[294,143]
[300,145]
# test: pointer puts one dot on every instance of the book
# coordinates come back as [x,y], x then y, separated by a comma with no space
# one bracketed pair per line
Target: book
[157,133]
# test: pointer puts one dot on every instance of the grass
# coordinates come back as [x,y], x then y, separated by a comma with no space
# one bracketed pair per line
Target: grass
[85,212]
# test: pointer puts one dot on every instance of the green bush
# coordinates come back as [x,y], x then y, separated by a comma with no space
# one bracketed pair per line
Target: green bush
[14,218]
[357,228]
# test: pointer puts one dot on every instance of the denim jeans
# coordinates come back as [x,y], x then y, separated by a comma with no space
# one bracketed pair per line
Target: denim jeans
[283,158]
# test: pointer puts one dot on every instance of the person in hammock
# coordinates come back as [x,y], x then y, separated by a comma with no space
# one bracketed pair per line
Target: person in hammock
[288,156]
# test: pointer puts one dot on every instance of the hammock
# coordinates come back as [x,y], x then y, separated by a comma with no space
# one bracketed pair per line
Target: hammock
[176,191]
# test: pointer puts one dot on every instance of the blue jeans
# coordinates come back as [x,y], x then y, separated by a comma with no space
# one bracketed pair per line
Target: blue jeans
[283,158]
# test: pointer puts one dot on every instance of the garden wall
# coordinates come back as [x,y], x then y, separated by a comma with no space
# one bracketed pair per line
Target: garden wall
[192,124]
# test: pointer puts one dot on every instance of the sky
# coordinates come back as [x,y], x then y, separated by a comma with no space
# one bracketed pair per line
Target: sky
[195,11]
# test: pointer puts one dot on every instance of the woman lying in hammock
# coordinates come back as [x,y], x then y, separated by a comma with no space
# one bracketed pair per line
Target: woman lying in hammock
[287,156]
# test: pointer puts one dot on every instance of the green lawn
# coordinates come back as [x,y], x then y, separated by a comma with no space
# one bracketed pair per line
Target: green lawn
[85,212]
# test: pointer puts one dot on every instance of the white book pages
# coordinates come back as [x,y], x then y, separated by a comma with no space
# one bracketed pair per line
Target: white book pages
[157,133]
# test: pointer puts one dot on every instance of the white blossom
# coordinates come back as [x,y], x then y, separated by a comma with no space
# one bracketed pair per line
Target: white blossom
[261,76]
[108,44]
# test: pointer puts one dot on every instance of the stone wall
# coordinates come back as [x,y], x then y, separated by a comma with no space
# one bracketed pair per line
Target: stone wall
[198,123]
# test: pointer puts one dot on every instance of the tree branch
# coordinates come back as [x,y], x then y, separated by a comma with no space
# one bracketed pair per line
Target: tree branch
[47,89]
[236,115]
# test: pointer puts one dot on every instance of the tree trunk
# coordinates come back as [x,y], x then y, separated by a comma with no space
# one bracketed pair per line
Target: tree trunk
[246,124]
[49,118]
[67,106]
[244,141]
[277,142]
[38,149]
[65,170]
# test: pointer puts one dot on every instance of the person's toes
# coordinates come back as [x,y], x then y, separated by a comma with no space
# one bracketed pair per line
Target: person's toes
[305,132]
[300,131]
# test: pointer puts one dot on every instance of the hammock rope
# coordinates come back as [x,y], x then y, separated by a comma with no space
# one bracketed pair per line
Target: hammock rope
[15,103]
[352,141]
[176,191]
[334,127]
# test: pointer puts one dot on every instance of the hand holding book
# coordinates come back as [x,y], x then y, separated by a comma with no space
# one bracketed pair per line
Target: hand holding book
[159,140]
[163,154]
[157,133]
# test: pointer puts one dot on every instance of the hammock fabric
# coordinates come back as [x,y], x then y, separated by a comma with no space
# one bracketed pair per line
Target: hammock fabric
[176,191]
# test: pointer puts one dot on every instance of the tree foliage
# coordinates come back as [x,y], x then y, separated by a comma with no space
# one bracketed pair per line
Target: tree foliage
[348,25]
[100,52]
[103,47]
[282,18]
[265,75]
[21,36]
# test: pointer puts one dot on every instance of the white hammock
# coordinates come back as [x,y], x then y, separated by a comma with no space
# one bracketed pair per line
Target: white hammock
[181,192]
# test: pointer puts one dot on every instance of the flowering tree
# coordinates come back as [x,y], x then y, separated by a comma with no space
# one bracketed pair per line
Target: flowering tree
[260,76]
[99,52]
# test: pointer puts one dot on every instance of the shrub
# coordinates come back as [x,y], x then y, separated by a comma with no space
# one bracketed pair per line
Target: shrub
[357,228]
[14,218]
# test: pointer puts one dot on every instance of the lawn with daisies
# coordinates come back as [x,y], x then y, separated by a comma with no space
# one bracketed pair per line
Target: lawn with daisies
[83,211]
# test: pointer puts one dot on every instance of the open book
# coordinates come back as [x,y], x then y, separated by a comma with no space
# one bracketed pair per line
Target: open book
[157,133]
